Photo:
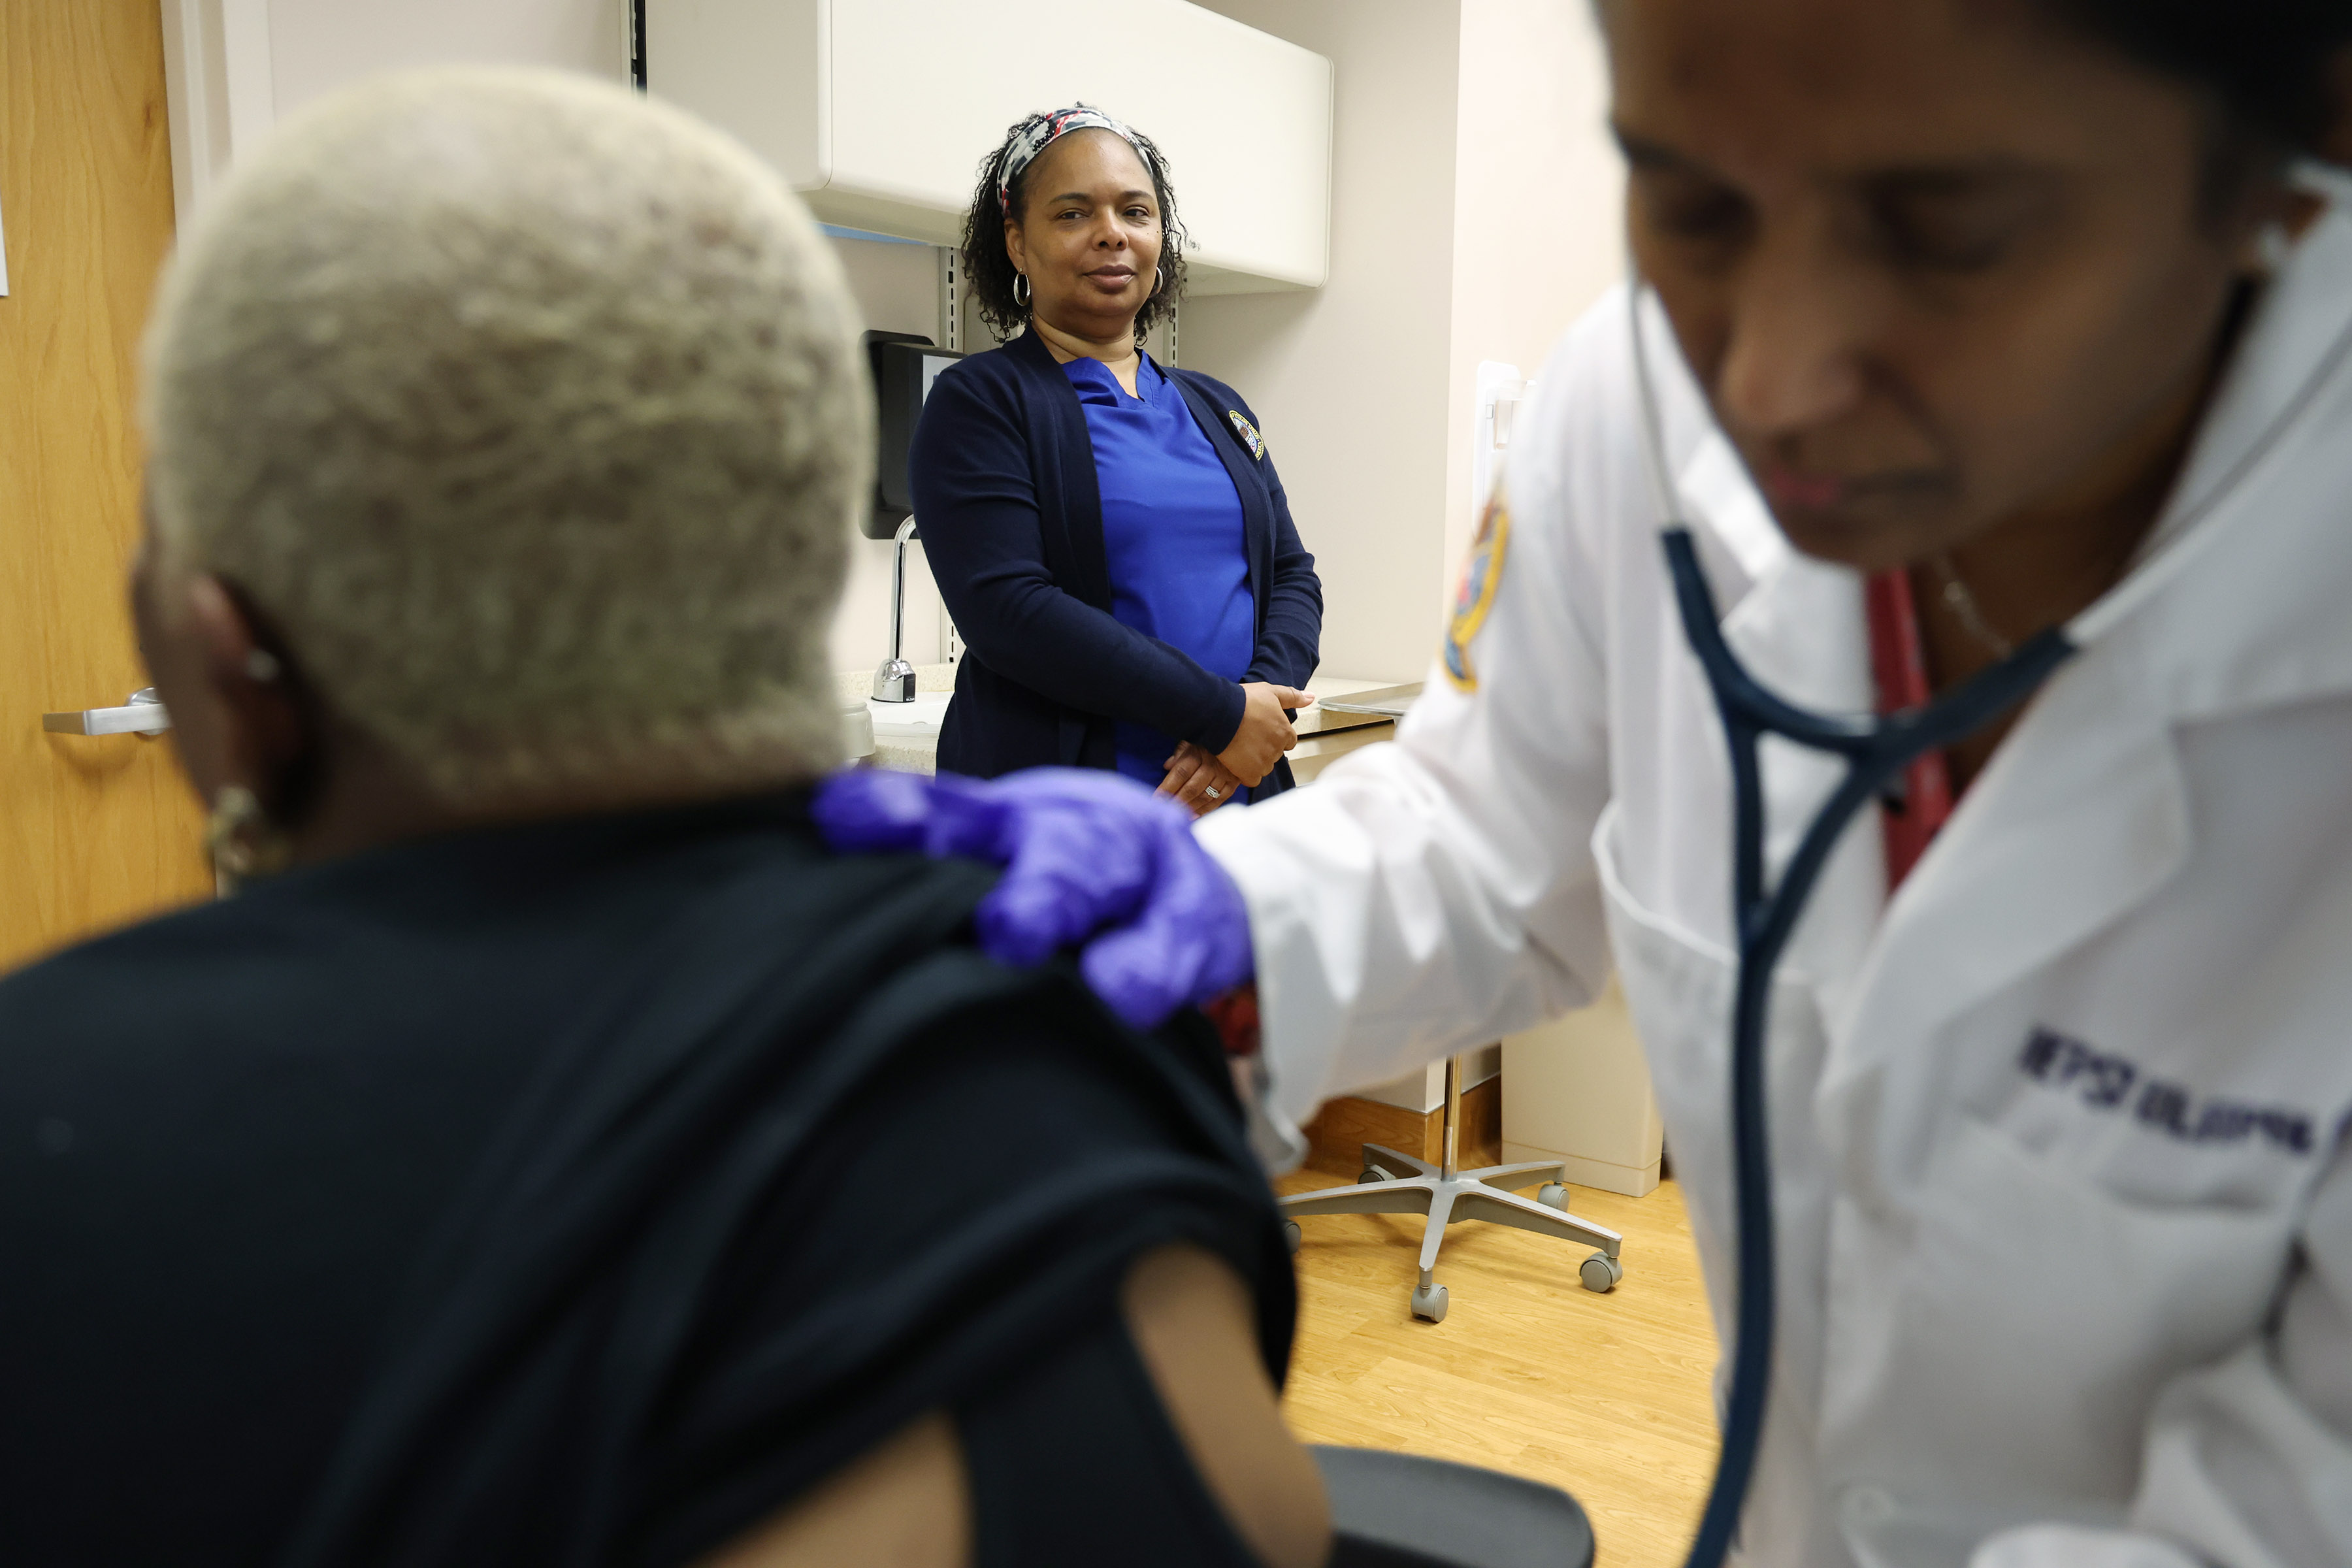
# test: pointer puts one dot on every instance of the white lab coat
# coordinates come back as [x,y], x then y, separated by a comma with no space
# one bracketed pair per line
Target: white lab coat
[2063,1207]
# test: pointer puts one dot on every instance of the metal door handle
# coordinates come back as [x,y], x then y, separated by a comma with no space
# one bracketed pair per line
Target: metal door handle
[142,714]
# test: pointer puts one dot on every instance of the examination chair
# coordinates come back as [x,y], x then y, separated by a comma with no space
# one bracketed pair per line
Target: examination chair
[1398,1511]
[1394,1183]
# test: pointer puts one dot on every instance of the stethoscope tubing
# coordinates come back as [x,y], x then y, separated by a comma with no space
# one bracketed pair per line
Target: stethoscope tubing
[1874,751]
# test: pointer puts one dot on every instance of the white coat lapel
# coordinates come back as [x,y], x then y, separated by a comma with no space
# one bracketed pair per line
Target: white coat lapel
[2243,604]
[2288,343]
[2082,816]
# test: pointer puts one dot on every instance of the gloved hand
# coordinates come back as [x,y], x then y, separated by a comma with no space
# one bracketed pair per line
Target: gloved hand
[1090,859]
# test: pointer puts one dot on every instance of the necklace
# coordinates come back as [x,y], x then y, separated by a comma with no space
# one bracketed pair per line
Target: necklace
[1963,606]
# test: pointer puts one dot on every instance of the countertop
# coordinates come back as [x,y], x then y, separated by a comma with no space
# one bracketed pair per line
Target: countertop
[905,735]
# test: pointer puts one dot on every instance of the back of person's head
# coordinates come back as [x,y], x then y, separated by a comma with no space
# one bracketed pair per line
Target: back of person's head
[527,415]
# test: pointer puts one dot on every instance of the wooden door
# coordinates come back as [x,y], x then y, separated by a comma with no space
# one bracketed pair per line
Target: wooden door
[94,831]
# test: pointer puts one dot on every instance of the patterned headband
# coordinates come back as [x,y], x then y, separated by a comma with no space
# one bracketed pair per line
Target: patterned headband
[1040,131]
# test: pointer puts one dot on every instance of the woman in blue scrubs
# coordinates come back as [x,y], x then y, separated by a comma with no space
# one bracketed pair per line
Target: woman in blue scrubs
[1109,534]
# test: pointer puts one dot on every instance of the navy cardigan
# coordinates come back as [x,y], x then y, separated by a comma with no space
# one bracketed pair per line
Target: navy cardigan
[1002,472]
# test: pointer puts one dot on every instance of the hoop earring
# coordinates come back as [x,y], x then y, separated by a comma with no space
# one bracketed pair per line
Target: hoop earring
[243,842]
[1158,279]
[1021,288]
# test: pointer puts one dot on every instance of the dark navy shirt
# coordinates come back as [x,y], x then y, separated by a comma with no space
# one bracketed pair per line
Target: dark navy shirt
[1172,536]
[513,1197]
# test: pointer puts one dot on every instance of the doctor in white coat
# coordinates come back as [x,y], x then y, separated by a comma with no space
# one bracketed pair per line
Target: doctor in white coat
[2015,297]
[1967,318]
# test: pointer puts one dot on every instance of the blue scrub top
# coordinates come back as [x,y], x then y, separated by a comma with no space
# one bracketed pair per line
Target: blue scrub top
[1172,536]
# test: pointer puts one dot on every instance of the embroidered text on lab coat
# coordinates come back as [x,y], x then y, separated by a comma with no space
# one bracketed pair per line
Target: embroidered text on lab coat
[2105,1080]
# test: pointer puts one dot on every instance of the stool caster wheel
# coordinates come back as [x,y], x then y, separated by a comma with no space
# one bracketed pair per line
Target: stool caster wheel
[1371,1173]
[1290,1236]
[1553,1196]
[1601,1273]
[1429,1303]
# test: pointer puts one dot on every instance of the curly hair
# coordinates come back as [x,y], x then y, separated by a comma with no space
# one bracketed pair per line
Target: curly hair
[988,269]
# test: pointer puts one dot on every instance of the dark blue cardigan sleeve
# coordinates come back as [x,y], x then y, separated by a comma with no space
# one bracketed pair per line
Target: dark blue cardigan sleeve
[1292,643]
[983,534]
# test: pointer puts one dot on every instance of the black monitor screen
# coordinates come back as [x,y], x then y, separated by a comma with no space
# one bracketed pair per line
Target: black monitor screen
[904,367]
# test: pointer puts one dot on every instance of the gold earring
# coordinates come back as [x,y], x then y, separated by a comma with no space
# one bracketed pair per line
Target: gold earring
[243,842]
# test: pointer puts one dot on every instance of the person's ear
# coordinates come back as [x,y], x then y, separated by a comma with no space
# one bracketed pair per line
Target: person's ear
[262,733]
[1014,249]
[2297,207]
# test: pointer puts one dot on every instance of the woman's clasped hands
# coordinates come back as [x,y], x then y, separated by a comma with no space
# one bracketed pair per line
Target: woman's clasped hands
[1201,780]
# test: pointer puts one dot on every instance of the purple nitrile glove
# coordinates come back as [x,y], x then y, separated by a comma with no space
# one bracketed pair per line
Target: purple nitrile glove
[1091,860]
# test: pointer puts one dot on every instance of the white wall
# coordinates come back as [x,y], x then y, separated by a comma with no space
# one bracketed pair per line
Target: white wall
[1351,382]
[1539,198]
[1474,214]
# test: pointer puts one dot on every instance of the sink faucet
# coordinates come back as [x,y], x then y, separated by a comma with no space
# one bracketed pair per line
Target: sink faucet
[895,680]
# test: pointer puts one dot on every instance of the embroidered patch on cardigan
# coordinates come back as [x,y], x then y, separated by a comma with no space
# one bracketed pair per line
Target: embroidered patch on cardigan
[1248,432]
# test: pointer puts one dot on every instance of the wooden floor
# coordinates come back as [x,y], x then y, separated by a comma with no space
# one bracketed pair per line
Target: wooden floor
[1605,1395]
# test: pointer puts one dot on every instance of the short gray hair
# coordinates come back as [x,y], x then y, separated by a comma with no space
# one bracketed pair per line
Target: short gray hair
[530,413]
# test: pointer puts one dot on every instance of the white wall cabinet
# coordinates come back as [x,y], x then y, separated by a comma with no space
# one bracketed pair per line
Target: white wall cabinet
[879,111]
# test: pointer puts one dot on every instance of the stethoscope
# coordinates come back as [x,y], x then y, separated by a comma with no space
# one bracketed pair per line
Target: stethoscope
[1874,750]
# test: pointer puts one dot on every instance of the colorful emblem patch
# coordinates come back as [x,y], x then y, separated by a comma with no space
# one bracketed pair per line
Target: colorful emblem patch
[1248,432]
[1481,574]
